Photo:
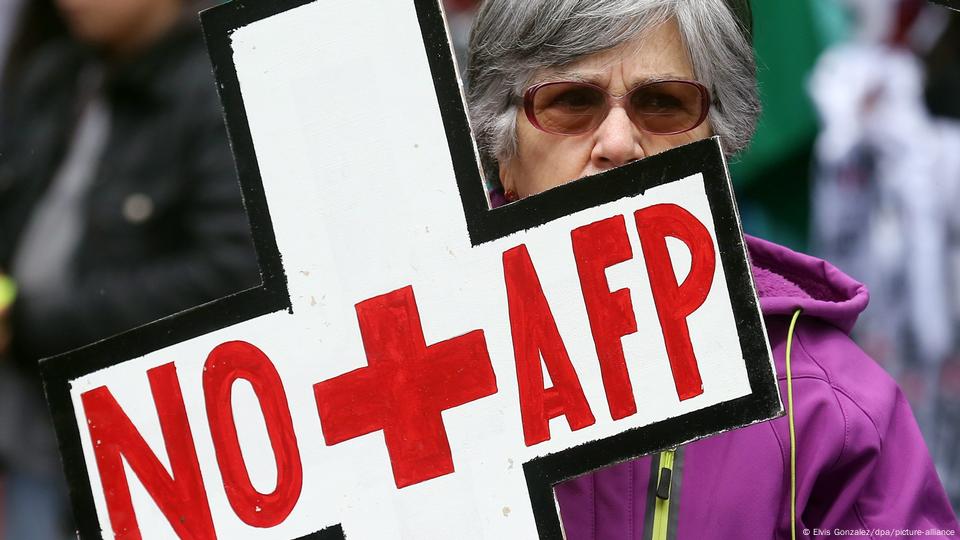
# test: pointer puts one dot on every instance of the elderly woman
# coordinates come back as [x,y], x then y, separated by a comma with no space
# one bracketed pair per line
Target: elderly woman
[562,89]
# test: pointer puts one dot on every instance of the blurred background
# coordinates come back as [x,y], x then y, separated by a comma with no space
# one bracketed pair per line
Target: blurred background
[119,202]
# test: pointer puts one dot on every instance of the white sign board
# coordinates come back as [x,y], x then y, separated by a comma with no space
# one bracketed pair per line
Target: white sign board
[415,365]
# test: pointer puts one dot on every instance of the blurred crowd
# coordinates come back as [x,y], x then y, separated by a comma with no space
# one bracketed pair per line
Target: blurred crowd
[885,183]
[119,202]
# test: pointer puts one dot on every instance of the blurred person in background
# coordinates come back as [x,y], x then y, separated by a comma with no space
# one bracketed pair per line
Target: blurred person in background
[885,191]
[25,27]
[9,18]
[118,205]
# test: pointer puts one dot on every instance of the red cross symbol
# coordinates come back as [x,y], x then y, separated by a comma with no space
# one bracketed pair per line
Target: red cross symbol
[405,387]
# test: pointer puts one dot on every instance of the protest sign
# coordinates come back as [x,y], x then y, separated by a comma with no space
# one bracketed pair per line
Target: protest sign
[415,364]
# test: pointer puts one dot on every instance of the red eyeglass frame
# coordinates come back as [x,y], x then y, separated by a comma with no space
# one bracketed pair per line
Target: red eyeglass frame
[530,93]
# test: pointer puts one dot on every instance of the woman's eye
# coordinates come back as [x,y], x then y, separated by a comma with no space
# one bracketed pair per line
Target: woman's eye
[650,102]
[574,100]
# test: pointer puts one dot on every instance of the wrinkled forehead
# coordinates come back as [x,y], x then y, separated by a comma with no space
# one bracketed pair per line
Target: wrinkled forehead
[656,53]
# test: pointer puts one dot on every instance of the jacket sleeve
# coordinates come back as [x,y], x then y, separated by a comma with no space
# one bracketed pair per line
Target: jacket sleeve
[214,258]
[862,461]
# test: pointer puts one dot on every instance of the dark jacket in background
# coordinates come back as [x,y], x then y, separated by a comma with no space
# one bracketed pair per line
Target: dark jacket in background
[186,242]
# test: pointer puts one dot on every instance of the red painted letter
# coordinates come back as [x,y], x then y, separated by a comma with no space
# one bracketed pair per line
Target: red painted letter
[597,247]
[182,497]
[225,364]
[535,334]
[405,387]
[676,302]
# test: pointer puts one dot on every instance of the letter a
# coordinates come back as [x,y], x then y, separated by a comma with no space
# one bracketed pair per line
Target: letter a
[535,335]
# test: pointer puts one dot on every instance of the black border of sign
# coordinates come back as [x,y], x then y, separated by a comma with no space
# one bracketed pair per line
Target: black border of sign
[484,225]
[952,4]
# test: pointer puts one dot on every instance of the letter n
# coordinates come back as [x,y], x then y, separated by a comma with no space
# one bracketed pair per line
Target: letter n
[181,496]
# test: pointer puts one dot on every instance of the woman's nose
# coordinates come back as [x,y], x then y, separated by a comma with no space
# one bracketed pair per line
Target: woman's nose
[617,141]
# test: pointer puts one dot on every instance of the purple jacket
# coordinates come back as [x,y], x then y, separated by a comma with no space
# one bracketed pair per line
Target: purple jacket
[862,464]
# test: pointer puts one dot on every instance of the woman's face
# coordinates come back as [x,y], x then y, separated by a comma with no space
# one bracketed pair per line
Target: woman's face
[120,26]
[544,160]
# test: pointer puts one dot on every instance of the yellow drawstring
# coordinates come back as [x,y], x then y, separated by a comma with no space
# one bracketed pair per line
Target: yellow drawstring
[661,508]
[793,433]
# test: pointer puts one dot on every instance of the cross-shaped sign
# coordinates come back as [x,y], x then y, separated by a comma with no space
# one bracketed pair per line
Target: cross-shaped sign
[415,364]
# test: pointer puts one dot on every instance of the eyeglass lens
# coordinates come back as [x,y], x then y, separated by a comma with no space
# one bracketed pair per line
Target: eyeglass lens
[665,107]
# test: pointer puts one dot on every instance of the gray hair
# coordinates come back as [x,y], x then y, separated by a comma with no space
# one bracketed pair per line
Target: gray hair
[513,39]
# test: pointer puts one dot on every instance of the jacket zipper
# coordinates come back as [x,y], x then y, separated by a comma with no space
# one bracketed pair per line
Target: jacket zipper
[661,508]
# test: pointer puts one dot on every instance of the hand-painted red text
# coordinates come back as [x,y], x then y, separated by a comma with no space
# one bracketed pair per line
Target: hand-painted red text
[596,247]
[225,364]
[181,497]
[407,384]
[677,302]
[535,335]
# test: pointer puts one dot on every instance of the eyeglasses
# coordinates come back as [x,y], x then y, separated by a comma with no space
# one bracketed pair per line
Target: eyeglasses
[660,107]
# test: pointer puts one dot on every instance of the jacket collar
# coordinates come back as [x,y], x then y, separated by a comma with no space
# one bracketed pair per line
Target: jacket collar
[787,280]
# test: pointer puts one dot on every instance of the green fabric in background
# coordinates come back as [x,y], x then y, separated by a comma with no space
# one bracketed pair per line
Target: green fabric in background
[773,175]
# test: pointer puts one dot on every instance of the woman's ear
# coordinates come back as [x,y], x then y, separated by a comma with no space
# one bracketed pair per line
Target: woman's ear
[507,180]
